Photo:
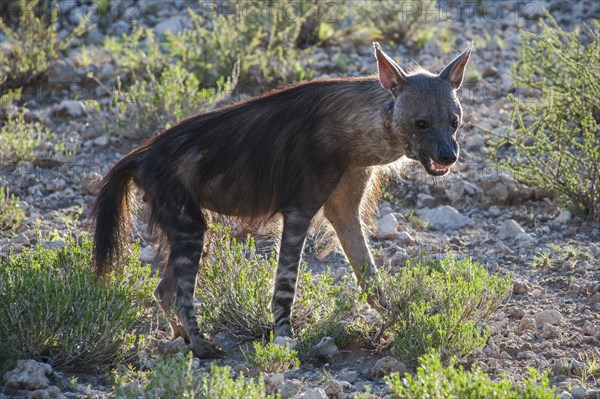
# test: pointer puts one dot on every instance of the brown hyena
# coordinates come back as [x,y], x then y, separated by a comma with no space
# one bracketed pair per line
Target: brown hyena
[313,146]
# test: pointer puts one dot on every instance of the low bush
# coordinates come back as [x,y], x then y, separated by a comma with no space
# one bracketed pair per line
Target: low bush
[270,357]
[34,43]
[157,103]
[235,286]
[440,305]
[31,141]
[11,216]
[177,378]
[555,125]
[55,310]
[433,381]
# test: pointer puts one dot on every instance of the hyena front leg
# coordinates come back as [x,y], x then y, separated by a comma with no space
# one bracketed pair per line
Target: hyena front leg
[343,210]
[185,232]
[295,227]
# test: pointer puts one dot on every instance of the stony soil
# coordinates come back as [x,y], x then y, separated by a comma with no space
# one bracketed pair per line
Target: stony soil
[551,319]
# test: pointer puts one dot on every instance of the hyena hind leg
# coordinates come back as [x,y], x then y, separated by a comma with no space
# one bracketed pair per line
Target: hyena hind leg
[295,227]
[165,295]
[185,232]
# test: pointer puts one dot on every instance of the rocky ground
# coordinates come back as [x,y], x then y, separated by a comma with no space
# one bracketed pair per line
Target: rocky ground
[550,322]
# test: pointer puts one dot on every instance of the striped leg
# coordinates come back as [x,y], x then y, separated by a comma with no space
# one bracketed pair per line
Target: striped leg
[295,227]
[185,232]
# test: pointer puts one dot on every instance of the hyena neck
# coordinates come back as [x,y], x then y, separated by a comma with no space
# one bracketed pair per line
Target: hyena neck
[366,125]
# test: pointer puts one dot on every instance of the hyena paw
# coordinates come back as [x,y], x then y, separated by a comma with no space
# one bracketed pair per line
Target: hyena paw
[207,350]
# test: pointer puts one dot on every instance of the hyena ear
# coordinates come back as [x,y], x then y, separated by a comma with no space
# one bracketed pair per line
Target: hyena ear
[391,76]
[454,72]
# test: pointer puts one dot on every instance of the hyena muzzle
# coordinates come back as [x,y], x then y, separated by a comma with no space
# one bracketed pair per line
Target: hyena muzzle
[313,146]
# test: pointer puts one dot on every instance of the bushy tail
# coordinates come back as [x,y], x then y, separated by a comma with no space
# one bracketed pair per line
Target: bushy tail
[112,213]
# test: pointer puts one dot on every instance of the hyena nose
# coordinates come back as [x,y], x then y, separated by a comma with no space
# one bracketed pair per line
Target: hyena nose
[448,156]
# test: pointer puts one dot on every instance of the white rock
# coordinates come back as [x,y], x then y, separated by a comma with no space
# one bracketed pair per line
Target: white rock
[552,316]
[387,227]
[474,141]
[147,254]
[445,217]
[565,395]
[90,183]
[71,108]
[388,365]
[285,341]
[590,329]
[563,217]
[332,388]
[101,141]
[405,238]
[511,229]
[326,348]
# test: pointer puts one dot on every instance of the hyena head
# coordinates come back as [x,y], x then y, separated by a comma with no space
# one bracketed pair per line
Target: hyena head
[425,111]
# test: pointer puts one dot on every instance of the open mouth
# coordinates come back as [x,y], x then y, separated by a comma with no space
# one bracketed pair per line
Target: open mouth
[432,167]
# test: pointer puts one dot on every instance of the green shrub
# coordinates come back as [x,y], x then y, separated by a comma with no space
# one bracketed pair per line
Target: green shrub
[235,287]
[555,134]
[433,381]
[34,44]
[11,216]
[55,310]
[391,19]
[439,305]
[270,357]
[155,104]
[31,141]
[251,45]
[177,378]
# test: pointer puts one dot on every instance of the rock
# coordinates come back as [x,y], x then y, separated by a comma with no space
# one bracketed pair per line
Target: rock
[565,395]
[147,254]
[512,230]
[90,182]
[73,109]
[578,393]
[387,227]
[101,141]
[445,217]
[550,331]
[592,394]
[174,24]
[388,365]
[312,393]
[490,72]
[28,374]
[474,141]
[285,341]
[527,324]
[62,72]
[241,369]
[273,382]
[425,200]
[326,348]
[520,286]
[332,388]
[175,346]
[563,217]
[498,193]
[404,237]
[589,328]
[553,317]
[515,312]
[52,392]
[289,389]
[119,28]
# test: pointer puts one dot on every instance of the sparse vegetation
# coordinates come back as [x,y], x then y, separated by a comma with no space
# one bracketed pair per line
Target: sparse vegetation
[55,310]
[11,216]
[270,357]
[31,141]
[434,381]
[554,131]
[178,378]
[440,305]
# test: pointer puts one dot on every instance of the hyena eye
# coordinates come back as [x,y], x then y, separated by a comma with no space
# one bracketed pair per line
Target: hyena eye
[422,124]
